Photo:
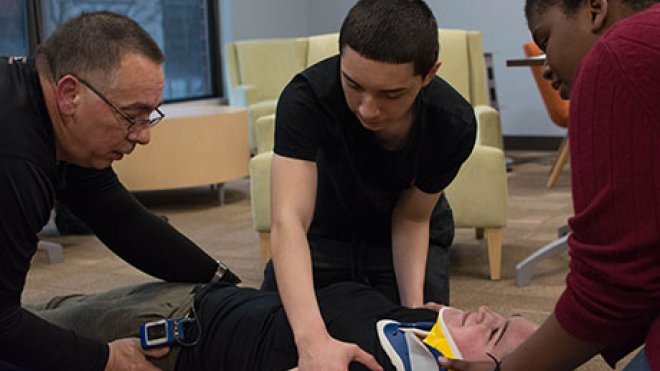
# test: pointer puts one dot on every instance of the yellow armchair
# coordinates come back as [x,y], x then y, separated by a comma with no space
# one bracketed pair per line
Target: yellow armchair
[260,69]
[478,195]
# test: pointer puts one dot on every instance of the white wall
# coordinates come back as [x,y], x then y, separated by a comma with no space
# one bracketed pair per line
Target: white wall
[502,23]
[252,19]
[504,29]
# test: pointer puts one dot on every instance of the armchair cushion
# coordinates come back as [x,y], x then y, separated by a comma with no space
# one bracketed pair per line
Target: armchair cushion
[264,129]
[489,132]
[260,190]
[478,194]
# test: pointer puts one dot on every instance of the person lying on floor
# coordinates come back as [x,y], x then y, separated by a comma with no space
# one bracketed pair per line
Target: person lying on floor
[239,328]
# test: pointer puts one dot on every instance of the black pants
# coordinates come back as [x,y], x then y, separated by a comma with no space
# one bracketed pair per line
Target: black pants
[338,261]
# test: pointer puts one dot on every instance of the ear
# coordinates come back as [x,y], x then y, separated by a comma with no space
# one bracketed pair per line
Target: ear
[67,94]
[429,75]
[599,11]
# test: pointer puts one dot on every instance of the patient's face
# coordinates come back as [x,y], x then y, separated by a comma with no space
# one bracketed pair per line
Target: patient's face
[476,333]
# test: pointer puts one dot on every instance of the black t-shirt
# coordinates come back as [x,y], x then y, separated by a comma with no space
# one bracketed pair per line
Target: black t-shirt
[359,182]
[30,180]
[247,329]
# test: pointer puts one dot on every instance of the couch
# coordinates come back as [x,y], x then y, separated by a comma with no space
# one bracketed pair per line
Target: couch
[259,70]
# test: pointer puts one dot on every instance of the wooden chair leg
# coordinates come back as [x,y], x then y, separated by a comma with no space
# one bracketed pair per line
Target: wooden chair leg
[494,241]
[560,161]
[479,233]
[264,243]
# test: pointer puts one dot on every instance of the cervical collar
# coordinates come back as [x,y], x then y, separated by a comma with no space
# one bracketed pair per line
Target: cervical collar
[441,339]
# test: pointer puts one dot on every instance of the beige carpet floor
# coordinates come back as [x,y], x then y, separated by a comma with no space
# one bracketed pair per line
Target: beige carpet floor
[225,231]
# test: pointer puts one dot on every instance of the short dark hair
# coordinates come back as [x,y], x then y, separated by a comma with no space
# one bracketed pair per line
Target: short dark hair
[392,31]
[570,6]
[92,45]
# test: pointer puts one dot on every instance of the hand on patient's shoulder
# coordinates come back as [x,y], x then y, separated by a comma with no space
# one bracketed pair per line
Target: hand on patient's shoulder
[431,305]
[127,354]
[330,354]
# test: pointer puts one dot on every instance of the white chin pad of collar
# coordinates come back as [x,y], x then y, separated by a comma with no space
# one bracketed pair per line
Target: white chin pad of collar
[441,338]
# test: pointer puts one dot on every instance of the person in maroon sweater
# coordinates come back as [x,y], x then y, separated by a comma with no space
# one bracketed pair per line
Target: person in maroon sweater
[605,56]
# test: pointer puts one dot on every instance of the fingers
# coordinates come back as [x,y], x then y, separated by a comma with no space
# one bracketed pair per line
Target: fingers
[431,305]
[460,365]
[446,362]
[366,359]
[156,352]
[452,364]
[153,352]
[148,366]
[127,354]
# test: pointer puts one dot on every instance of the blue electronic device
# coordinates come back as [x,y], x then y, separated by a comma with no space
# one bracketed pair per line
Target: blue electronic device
[160,333]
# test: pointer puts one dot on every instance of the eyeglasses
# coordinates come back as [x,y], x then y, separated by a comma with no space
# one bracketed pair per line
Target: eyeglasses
[131,121]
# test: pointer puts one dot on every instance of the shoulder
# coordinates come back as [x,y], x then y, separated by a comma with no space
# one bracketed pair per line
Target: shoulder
[318,82]
[444,108]
[644,25]
[19,76]
[633,42]
[314,97]
[441,98]
[88,180]
[25,128]
[627,54]
[324,74]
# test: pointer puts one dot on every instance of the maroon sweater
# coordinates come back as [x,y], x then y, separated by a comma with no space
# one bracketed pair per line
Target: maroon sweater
[613,288]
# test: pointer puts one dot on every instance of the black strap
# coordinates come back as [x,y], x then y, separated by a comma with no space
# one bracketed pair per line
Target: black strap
[497,362]
[230,277]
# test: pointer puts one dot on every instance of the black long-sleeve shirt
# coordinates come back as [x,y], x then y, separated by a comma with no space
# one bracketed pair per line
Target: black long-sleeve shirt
[30,180]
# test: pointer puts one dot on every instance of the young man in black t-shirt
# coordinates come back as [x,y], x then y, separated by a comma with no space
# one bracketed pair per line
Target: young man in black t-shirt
[364,145]
[89,98]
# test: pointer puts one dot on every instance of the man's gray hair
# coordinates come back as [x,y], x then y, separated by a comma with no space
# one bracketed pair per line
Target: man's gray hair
[92,45]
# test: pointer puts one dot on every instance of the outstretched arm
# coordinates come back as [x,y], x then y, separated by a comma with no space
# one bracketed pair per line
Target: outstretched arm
[130,230]
[293,195]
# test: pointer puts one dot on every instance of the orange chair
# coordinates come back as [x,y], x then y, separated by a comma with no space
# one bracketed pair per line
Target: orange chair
[558,109]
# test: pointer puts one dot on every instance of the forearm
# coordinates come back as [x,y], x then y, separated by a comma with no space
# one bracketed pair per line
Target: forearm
[293,270]
[131,231]
[410,241]
[152,245]
[551,348]
[161,251]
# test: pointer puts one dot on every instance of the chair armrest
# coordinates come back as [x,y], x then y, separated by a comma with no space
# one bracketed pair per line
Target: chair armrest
[489,131]
[260,190]
[242,95]
[478,195]
[264,133]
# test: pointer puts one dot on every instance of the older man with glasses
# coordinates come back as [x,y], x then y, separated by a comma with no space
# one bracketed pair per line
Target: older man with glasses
[88,99]
[134,124]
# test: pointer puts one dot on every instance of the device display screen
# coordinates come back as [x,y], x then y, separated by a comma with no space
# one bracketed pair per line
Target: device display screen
[156,332]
